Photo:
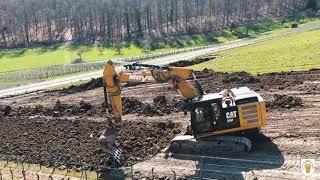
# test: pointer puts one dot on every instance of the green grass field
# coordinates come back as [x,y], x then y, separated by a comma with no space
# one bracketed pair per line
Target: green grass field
[57,55]
[292,53]
[26,58]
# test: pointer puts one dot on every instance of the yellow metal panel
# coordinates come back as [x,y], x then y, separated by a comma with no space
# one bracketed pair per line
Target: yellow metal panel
[233,130]
[243,122]
[263,112]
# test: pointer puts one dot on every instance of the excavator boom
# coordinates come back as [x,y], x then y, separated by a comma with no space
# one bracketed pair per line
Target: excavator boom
[143,73]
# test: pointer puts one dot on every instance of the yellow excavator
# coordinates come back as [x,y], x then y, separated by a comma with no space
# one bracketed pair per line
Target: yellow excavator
[213,116]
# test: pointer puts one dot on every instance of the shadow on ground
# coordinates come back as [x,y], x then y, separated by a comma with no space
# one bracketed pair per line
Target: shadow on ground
[222,165]
[264,155]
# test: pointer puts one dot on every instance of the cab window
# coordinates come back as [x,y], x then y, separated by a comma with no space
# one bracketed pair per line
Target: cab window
[216,111]
[202,114]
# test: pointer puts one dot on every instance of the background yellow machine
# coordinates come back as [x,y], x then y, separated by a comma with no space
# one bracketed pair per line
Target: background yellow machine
[230,111]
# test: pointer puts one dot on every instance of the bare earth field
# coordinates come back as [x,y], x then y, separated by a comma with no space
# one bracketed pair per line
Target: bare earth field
[60,128]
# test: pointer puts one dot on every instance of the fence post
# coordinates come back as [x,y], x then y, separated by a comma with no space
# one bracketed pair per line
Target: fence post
[132,173]
[11,173]
[200,167]
[174,174]
[23,172]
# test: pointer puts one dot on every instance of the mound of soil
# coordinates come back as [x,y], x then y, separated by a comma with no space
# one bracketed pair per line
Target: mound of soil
[239,77]
[58,110]
[73,144]
[159,107]
[284,101]
[185,63]
[131,105]
[281,80]
[94,83]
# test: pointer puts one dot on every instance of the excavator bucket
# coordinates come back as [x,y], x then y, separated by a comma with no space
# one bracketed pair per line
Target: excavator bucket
[116,155]
[107,141]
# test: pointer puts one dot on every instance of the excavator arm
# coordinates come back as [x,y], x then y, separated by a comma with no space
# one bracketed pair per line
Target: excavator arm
[114,76]
[143,73]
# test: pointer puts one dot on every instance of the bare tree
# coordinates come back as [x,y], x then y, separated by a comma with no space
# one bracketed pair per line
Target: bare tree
[28,22]
[80,53]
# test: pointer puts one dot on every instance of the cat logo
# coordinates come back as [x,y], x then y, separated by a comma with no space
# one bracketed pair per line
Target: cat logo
[141,78]
[231,115]
[307,166]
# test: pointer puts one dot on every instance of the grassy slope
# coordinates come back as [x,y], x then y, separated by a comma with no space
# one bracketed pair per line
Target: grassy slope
[296,52]
[24,58]
[58,55]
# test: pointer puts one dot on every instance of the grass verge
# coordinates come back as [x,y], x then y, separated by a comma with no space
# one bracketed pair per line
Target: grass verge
[293,53]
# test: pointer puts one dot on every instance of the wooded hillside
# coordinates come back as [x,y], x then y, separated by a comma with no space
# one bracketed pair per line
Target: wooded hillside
[32,22]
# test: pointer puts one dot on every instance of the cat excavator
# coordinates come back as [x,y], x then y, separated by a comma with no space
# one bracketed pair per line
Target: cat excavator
[214,117]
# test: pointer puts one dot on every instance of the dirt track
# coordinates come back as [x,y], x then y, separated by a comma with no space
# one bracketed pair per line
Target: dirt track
[71,120]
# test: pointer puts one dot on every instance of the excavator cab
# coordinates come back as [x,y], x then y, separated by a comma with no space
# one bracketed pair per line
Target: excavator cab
[206,116]
[229,111]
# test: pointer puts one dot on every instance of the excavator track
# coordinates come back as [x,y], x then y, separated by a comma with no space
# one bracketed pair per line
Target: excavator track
[187,144]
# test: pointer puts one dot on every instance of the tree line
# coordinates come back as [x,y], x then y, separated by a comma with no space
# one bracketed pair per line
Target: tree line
[26,23]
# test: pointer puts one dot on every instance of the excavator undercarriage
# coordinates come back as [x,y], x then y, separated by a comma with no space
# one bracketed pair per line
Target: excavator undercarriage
[187,144]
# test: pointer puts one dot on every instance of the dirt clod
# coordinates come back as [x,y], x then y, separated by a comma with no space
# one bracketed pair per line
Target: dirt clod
[7,110]
[160,100]
[85,106]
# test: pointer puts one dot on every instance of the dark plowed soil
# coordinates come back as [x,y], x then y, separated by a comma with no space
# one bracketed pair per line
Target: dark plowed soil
[216,81]
[159,107]
[61,142]
[94,83]
[240,77]
[284,101]
[185,63]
